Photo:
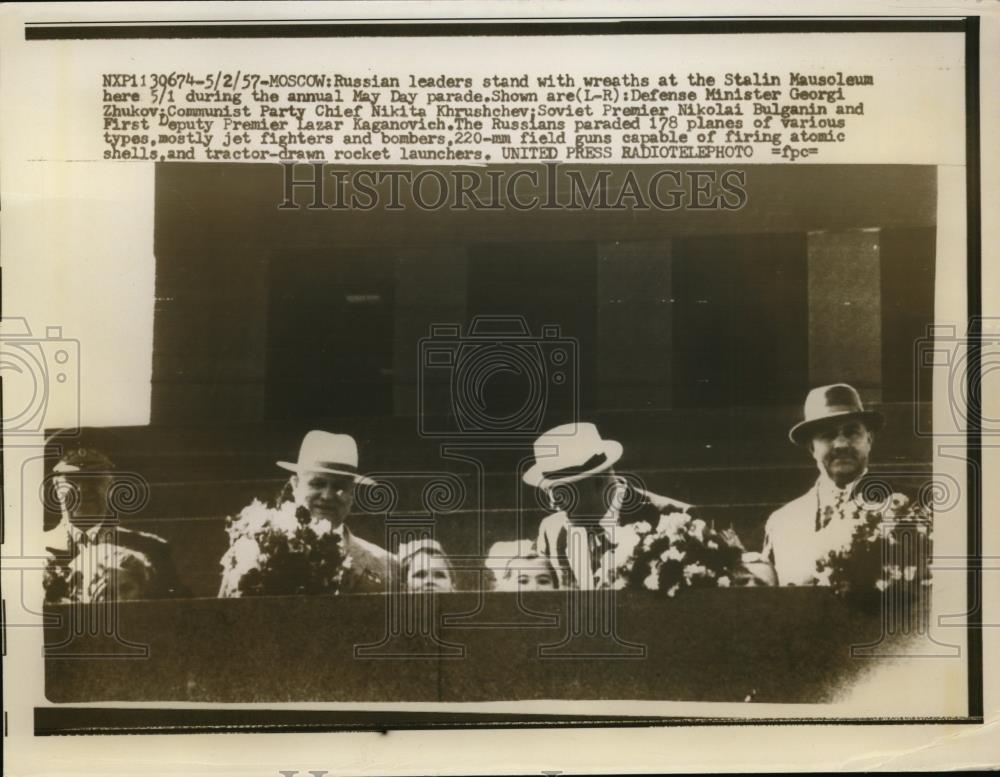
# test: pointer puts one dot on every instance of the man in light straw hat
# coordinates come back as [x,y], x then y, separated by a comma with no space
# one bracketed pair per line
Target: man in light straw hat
[575,467]
[838,431]
[323,481]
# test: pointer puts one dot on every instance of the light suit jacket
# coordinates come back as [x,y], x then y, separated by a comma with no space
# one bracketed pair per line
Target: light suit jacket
[566,546]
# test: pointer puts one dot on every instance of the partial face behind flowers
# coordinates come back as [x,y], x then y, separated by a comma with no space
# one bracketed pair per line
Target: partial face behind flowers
[842,450]
[326,495]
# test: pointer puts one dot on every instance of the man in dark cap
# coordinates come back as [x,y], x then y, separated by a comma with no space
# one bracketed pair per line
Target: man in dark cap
[90,556]
[839,432]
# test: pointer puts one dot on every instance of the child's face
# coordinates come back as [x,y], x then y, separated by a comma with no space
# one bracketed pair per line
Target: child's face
[533,574]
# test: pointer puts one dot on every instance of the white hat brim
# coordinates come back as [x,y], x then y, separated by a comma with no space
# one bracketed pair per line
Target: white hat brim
[298,469]
[612,450]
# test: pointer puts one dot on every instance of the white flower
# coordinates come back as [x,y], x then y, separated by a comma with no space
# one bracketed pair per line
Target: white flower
[107,564]
[698,529]
[250,520]
[243,555]
[284,519]
[673,525]
[899,503]
[723,582]
[839,533]
[652,581]
[673,553]
[626,543]
[696,570]
[641,527]
[672,591]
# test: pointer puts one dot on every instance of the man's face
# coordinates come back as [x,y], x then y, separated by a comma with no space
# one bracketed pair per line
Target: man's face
[325,495]
[591,497]
[429,573]
[83,496]
[842,450]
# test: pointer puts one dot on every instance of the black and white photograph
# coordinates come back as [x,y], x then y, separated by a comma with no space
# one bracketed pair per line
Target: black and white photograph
[559,381]
[586,453]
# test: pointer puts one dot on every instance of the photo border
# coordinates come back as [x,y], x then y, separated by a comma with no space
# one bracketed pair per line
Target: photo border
[59,720]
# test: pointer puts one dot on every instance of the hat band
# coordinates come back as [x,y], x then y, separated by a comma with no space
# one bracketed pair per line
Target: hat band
[835,410]
[319,465]
[577,469]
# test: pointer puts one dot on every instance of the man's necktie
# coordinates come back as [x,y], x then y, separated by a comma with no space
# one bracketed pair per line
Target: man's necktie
[578,556]
[586,547]
[833,509]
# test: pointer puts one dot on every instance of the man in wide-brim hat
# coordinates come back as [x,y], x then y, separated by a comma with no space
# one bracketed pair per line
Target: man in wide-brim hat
[838,431]
[574,466]
[322,481]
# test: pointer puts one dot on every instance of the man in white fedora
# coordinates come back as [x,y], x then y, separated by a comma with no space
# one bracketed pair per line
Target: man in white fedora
[574,466]
[838,431]
[323,481]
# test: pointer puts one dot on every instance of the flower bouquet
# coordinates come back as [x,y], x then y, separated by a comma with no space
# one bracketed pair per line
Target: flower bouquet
[883,547]
[679,552]
[100,572]
[281,550]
